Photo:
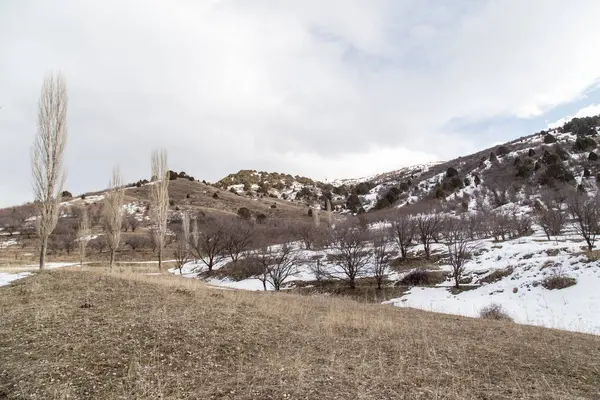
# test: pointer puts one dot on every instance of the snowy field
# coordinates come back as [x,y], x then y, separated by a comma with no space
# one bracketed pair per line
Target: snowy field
[8,277]
[531,259]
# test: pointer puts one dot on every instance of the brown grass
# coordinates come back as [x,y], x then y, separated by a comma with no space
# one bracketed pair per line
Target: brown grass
[365,290]
[497,275]
[152,337]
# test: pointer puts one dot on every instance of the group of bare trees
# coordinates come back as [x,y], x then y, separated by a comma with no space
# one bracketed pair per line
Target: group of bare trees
[47,159]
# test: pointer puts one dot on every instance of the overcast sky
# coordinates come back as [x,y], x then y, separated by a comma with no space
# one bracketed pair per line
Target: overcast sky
[321,88]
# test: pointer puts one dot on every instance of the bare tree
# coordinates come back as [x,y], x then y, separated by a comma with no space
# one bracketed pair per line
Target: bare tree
[137,242]
[585,210]
[403,232]
[47,157]
[459,248]
[328,213]
[182,248]
[83,234]
[133,223]
[113,213]
[352,253]
[99,244]
[159,198]
[277,265]
[307,233]
[239,237]
[381,255]
[550,214]
[318,269]
[316,218]
[212,238]
[428,227]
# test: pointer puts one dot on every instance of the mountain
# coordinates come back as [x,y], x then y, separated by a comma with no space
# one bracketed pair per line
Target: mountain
[565,155]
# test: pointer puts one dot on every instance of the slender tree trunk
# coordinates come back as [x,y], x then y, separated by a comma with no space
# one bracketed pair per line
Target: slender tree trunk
[112,258]
[264,285]
[160,258]
[43,248]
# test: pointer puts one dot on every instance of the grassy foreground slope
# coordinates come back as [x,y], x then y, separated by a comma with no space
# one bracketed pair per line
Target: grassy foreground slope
[81,334]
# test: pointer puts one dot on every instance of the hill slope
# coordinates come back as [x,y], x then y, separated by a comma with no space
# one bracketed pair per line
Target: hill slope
[122,336]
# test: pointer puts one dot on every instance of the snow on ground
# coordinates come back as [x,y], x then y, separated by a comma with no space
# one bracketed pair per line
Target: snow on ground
[576,308]
[531,259]
[7,243]
[6,278]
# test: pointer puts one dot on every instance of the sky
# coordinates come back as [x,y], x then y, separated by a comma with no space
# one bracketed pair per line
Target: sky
[326,89]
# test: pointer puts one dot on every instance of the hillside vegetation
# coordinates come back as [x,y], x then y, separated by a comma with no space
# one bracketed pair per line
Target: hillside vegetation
[81,335]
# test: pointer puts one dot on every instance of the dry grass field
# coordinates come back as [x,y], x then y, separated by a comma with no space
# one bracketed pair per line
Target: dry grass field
[92,334]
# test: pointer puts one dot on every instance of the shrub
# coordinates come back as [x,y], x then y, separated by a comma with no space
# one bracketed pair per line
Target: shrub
[593,156]
[477,180]
[584,143]
[502,151]
[261,218]
[497,275]
[422,277]
[451,172]
[558,281]
[244,213]
[187,196]
[83,197]
[531,153]
[171,202]
[232,190]
[216,195]
[382,203]
[362,188]
[66,194]
[556,172]
[525,170]
[494,311]
[586,173]
[273,205]
[172,175]
[493,157]
[549,139]
[353,203]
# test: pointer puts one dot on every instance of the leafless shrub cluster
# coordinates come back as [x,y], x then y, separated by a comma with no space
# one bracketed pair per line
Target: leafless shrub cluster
[494,311]
[460,248]
[429,227]
[506,224]
[351,251]
[550,215]
[381,255]
[558,280]
[403,232]
[277,264]
[585,210]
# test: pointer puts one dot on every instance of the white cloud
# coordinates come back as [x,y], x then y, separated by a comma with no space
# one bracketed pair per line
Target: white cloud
[588,111]
[351,86]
